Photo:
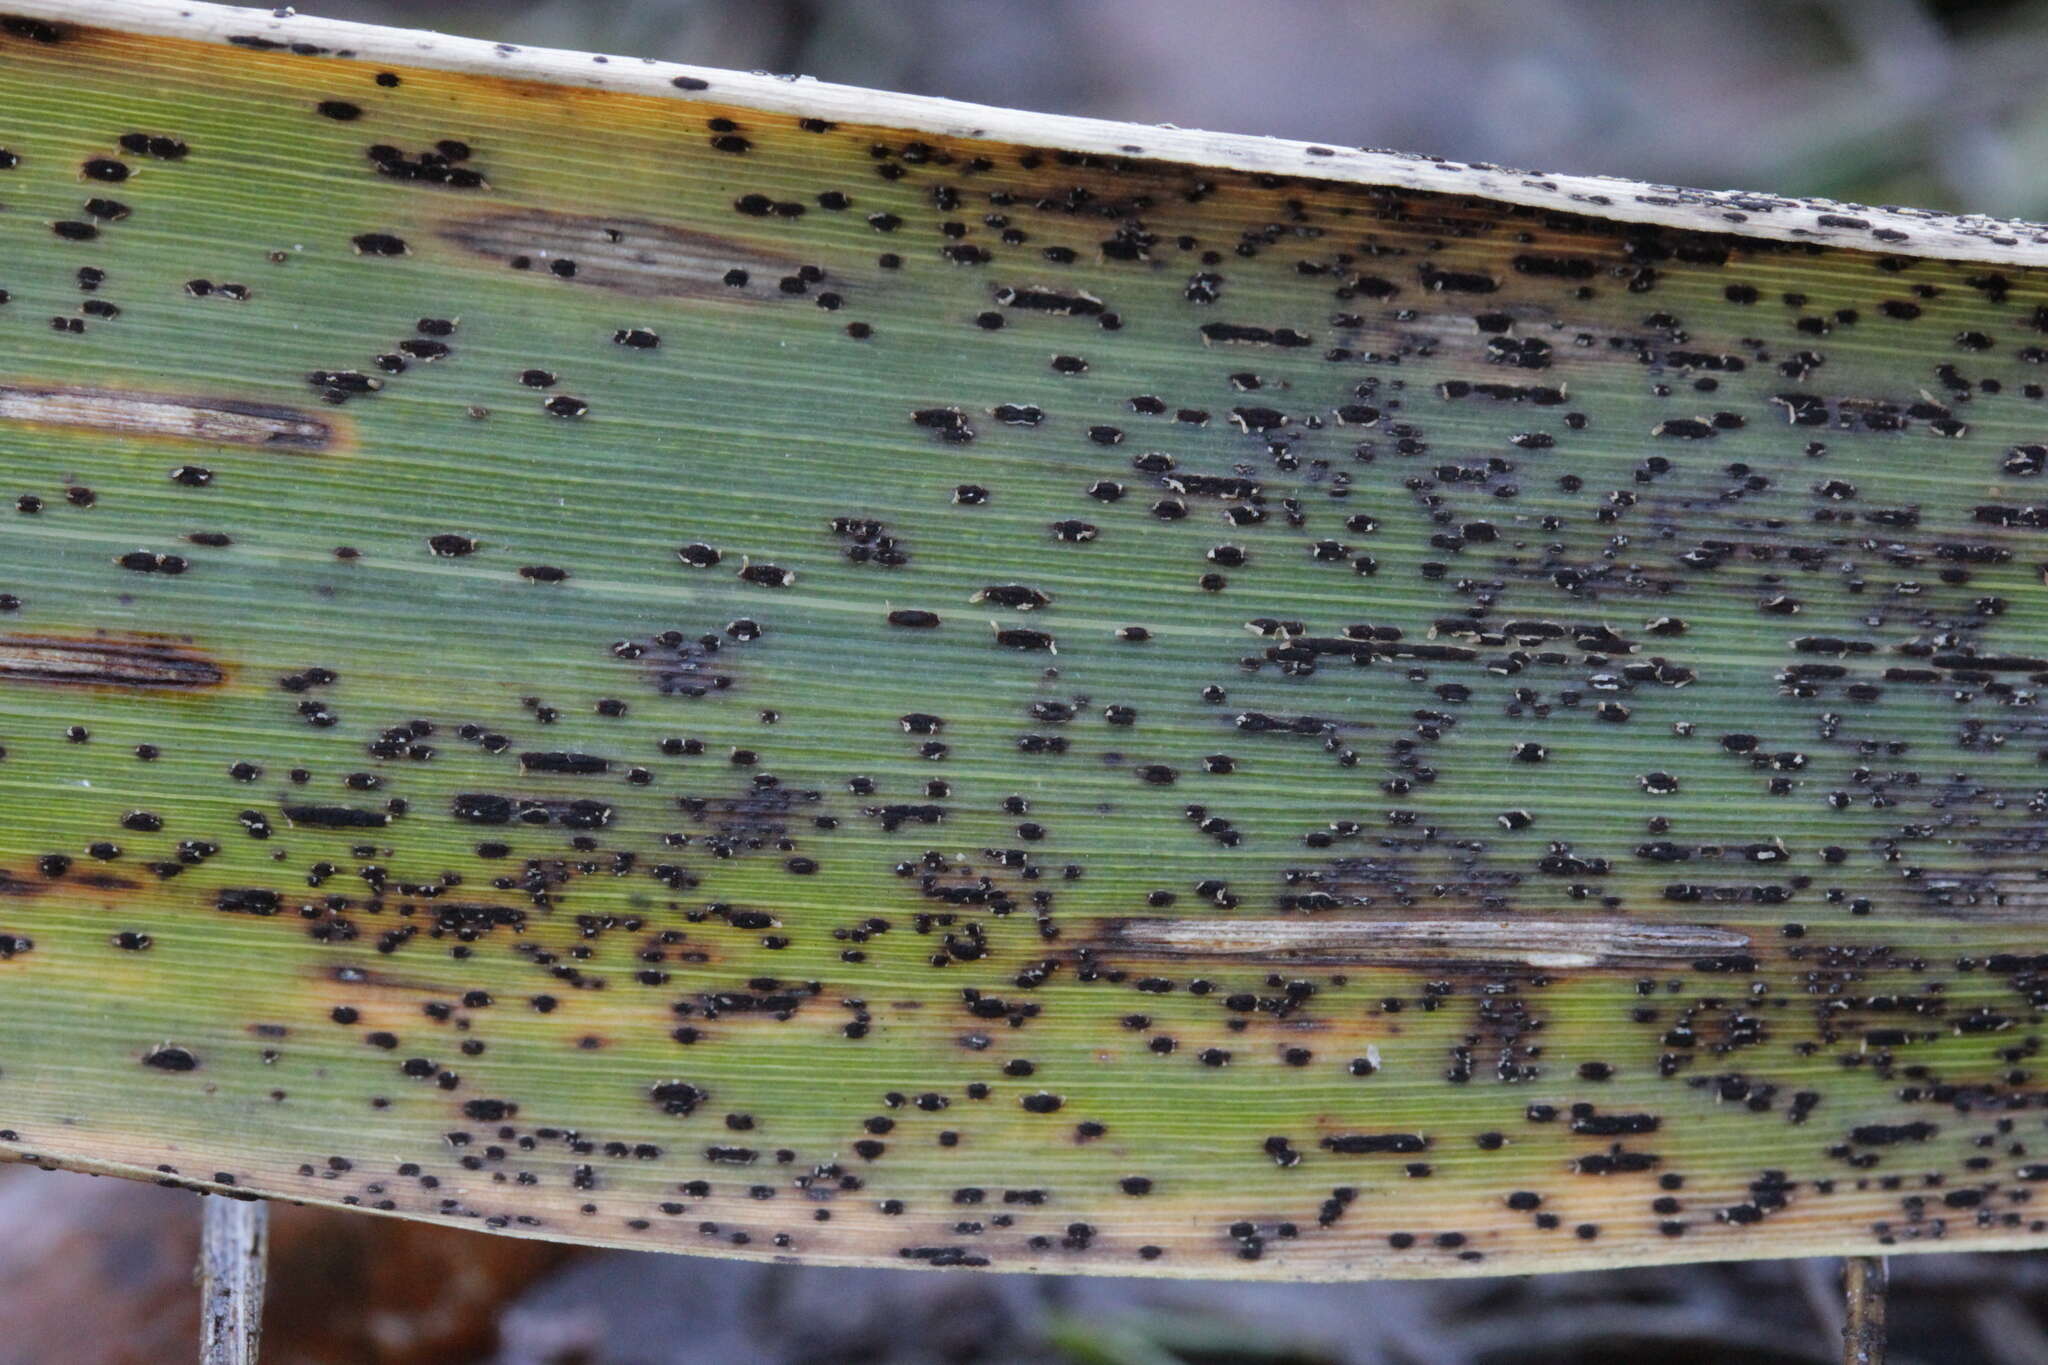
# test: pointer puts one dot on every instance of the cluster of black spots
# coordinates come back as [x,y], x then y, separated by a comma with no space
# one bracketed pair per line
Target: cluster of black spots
[682,665]
[484,808]
[758,205]
[1697,428]
[440,166]
[340,386]
[864,540]
[152,562]
[160,146]
[725,136]
[949,424]
[1233,333]
[1063,303]
[218,289]
[336,817]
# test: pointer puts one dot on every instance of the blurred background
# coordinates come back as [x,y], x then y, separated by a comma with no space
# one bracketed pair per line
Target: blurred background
[1939,103]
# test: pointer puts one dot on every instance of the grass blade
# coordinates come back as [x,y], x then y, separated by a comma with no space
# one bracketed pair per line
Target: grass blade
[674,659]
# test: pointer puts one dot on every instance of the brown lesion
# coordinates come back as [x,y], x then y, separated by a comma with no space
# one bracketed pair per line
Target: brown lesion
[66,881]
[31,880]
[105,881]
[180,417]
[108,660]
[629,255]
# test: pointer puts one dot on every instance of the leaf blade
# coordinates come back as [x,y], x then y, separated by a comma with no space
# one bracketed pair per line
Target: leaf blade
[1357,789]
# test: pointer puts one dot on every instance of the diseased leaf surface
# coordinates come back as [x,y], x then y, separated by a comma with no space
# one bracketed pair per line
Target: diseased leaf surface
[636,670]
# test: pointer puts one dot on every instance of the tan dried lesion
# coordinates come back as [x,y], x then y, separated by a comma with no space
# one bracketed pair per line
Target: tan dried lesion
[631,256]
[213,421]
[1546,943]
[106,661]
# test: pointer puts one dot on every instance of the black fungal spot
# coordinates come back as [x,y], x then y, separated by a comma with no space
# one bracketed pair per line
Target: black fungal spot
[558,762]
[32,30]
[336,817]
[949,424]
[1441,281]
[1366,1144]
[679,1098]
[379,244]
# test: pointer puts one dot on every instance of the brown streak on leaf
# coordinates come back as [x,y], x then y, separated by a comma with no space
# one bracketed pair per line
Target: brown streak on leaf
[140,661]
[106,881]
[214,421]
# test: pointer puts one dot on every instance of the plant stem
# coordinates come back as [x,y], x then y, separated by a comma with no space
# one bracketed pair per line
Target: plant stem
[1864,1280]
[234,1239]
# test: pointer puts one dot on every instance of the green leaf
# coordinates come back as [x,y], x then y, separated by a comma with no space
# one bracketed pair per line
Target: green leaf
[674,659]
